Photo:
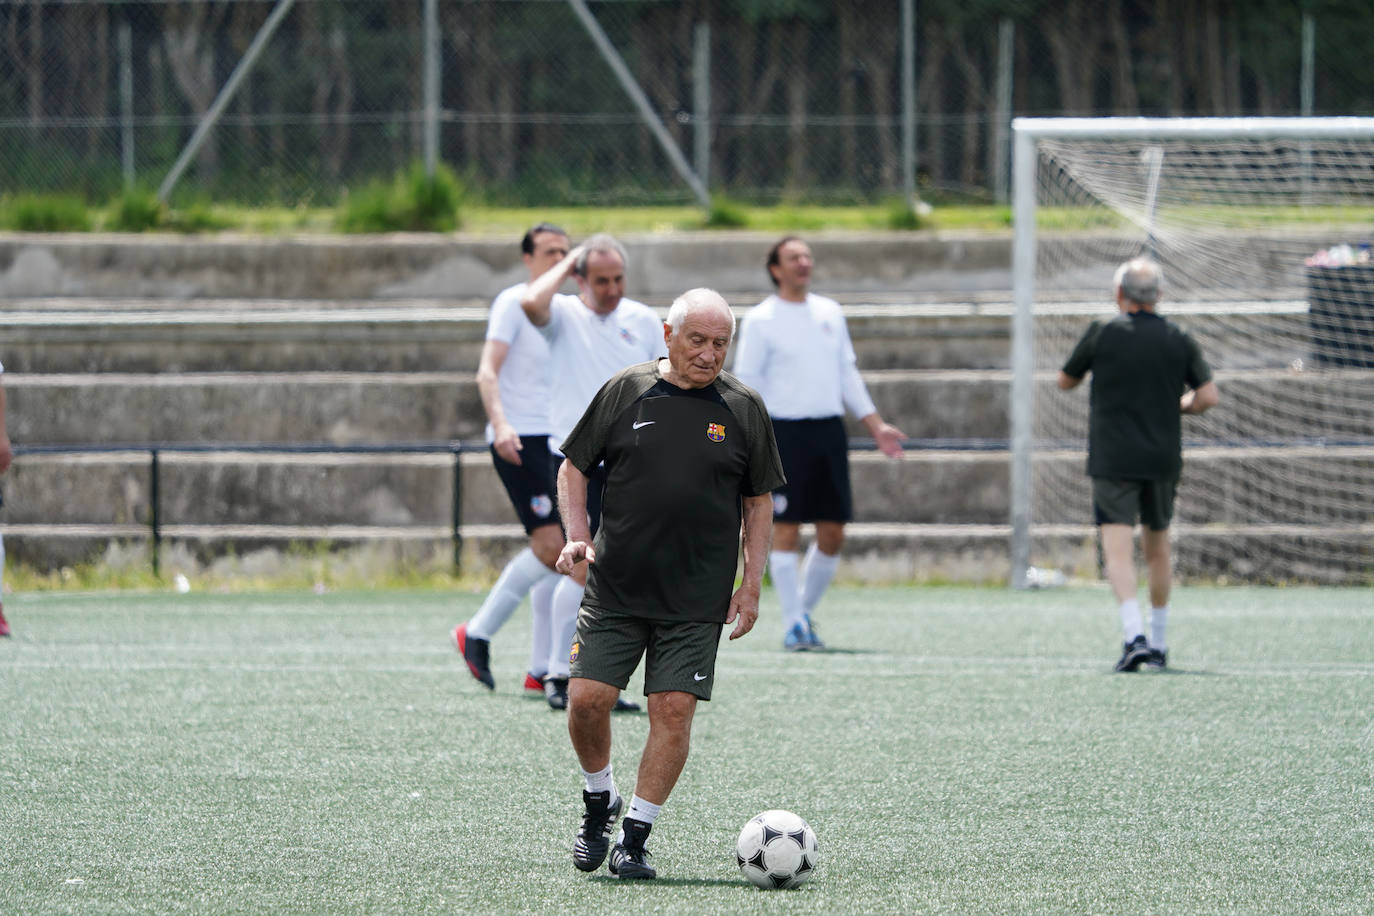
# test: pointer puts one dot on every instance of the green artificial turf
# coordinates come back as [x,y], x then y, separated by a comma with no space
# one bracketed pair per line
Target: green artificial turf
[960,751]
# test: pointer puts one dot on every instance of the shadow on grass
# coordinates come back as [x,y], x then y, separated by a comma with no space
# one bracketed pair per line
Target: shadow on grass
[675,882]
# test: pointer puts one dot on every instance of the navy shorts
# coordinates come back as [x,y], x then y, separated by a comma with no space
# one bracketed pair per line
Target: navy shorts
[1121,501]
[815,458]
[530,484]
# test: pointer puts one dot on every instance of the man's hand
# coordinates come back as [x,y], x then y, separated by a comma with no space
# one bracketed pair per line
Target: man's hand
[506,441]
[889,439]
[574,552]
[744,611]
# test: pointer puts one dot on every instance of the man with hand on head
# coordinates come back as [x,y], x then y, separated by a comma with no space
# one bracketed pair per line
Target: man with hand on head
[591,336]
[690,462]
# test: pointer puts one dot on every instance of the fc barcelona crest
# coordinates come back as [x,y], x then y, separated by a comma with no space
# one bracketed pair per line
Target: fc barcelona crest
[715,432]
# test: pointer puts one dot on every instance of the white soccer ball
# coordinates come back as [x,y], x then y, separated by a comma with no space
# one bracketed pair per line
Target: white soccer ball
[776,849]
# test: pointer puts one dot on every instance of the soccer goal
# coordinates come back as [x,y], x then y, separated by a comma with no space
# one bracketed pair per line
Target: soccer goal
[1262,228]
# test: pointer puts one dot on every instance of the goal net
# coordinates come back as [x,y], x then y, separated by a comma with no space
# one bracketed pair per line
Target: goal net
[1262,230]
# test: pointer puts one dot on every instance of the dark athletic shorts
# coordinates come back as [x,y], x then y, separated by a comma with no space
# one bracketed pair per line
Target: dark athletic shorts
[531,484]
[596,483]
[815,458]
[677,655]
[1121,502]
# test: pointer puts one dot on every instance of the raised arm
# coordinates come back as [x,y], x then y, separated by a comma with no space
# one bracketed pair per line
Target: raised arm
[757,537]
[539,293]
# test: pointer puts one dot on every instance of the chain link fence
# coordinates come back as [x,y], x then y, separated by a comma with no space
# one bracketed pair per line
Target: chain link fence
[761,100]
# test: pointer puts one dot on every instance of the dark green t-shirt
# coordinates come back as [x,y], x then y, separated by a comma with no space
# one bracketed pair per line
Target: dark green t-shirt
[678,464]
[1142,364]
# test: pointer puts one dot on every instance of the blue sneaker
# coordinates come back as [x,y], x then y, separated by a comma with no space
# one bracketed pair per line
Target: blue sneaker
[797,639]
[813,641]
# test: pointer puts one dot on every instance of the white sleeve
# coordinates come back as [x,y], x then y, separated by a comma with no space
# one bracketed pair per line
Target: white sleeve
[852,388]
[750,356]
[506,317]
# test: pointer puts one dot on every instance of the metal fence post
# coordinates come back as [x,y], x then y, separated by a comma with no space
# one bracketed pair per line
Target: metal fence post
[457,508]
[155,511]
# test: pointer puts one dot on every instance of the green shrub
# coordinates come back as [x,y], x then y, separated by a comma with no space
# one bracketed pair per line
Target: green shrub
[413,202]
[726,214]
[197,216]
[45,213]
[137,210]
[904,214]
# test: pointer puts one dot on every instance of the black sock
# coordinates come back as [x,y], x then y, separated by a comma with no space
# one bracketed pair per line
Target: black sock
[634,833]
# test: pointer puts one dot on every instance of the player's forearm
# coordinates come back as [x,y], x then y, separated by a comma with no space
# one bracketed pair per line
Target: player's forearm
[757,538]
[539,293]
[572,502]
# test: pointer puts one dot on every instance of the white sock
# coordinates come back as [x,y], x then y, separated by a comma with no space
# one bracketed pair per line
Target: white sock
[782,567]
[510,589]
[641,810]
[601,782]
[816,574]
[541,605]
[1131,624]
[567,601]
[1159,623]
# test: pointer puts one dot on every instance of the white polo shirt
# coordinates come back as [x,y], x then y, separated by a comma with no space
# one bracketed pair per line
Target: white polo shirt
[524,378]
[798,355]
[586,349]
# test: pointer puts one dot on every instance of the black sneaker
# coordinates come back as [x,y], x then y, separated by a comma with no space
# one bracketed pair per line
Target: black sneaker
[594,836]
[477,653]
[1158,660]
[1133,654]
[556,692]
[624,705]
[631,862]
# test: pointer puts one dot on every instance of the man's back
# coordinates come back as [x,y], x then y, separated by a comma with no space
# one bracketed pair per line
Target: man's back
[1141,364]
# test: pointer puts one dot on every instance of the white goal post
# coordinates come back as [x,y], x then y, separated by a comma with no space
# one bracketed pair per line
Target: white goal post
[1262,228]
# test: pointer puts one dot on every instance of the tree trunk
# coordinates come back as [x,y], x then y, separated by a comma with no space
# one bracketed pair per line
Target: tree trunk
[191,58]
[1125,100]
[797,181]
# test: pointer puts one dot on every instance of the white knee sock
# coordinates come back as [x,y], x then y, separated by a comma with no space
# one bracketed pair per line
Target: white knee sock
[510,589]
[567,601]
[816,574]
[541,604]
[1131,624]
[1159,623]
[782,567]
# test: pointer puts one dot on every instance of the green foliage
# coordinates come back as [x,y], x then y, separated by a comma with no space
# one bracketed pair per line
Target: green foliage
[903,214]
[726,214]
[45,213]
[136,210]
[198,216]
[412,202]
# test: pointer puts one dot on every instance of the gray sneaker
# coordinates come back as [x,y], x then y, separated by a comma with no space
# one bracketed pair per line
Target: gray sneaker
[1158,660]
[1133,655]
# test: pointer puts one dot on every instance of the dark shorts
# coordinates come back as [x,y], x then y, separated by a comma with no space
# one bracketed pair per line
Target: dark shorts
[815,458]
[1121,502]
[531,484]
[677,656]
[596,483]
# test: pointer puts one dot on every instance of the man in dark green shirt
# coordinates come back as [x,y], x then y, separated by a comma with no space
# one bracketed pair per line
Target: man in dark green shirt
[690,464]
[1146,373]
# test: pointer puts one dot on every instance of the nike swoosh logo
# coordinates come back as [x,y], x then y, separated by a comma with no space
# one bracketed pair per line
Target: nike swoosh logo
[698,677]
[643,424]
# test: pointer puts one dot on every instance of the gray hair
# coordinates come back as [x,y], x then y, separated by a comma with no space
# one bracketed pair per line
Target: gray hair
[1140,280]
[697,300]
[605,243]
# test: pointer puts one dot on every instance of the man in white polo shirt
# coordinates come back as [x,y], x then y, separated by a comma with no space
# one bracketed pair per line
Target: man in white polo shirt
[591,336]
[794,349]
